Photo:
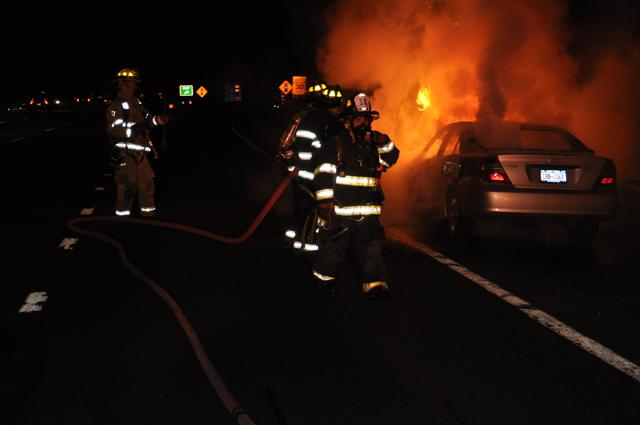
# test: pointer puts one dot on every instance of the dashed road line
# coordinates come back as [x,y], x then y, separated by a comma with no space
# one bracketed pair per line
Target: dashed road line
[33,302]
[50,129]
[587,344]
[68,243]
[17,139]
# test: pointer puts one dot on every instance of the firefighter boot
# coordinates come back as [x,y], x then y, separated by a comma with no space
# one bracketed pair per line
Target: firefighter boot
[379,291]
[329,286]
[325,283]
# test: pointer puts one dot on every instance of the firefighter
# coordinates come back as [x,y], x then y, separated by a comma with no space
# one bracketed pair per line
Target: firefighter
[128,127]
[349,195]
[306,134]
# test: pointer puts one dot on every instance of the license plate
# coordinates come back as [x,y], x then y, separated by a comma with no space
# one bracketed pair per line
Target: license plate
[553,176]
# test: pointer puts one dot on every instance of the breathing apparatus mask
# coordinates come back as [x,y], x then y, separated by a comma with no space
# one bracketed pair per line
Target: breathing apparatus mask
[362,129]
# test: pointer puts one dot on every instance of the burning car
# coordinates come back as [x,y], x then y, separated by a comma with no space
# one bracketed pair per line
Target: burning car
[469,172]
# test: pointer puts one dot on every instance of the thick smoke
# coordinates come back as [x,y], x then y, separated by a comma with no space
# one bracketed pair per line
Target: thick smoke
[512,59]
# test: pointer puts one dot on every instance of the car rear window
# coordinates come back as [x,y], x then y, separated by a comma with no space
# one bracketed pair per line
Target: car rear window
[545,140]
[506,136]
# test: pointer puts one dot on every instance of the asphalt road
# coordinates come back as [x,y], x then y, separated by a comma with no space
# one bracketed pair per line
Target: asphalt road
[105,349]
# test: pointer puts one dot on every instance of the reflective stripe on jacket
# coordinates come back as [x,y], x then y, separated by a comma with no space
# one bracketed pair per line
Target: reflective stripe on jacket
[123,118]
[348,173]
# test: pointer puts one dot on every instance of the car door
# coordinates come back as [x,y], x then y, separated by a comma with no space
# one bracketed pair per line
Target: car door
[425,173]
[446,167]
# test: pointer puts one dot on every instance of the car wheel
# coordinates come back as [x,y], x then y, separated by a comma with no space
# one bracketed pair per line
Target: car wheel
[456,224]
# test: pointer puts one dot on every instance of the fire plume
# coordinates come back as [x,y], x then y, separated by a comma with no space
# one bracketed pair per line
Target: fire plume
[507,60]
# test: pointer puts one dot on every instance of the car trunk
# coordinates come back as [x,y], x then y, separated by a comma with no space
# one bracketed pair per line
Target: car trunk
[552,171]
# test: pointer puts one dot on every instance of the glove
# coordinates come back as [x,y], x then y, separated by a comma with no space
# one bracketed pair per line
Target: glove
[115,157]
[285,156]
[139,129]
[379,139]
[325,214]
[162,119]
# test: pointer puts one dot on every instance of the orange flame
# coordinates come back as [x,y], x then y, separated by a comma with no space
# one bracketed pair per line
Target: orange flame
[424,98]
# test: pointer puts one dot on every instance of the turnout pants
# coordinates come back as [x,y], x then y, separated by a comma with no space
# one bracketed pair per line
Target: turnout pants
[134,178]
[301,220]
[365,237]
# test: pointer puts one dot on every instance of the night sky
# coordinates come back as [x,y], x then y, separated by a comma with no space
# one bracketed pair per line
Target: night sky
[77,47]
[72,47]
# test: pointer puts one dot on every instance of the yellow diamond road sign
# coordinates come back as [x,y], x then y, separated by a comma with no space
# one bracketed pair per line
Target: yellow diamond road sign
[201,91]
[285,87]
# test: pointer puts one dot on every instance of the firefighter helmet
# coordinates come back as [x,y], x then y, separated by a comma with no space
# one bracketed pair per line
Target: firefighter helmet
[314,92]
[332,96]
[359,104]
[128,74]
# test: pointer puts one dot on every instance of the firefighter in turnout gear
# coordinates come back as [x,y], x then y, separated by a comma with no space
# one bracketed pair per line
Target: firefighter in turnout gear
[305,135]
[347,181]
[128,126]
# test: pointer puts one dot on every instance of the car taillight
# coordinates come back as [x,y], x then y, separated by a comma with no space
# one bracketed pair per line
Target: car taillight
[491,171]
[608,175]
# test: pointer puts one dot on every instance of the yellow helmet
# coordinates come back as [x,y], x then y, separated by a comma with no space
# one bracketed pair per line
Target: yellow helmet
[314,92]
[128,74]
[332,96]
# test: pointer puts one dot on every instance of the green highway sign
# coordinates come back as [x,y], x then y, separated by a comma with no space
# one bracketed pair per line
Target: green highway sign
[186,90]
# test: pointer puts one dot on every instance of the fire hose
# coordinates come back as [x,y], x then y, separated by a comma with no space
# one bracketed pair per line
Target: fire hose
[237,412]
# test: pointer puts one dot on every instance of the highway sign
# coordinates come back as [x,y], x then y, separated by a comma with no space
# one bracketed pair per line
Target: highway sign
[186,90]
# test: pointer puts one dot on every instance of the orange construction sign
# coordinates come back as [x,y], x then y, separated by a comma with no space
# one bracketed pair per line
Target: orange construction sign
[299,85]
[285,87]
[202,91]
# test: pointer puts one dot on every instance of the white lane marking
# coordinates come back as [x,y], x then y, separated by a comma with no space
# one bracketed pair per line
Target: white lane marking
[50,129]
[17,139]
[99,189]
[68,123]
[3,122]
[86,211]
[32,302]
[107,174]
[68,243]
[587,344]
